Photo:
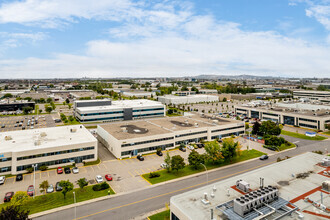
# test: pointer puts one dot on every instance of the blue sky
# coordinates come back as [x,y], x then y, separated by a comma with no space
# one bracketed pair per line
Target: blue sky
[115,38]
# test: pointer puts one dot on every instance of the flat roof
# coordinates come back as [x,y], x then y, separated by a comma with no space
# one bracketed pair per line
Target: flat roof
[312,91]
[136,103]
[188,96]
[157,126]
[279,174]
[42,138]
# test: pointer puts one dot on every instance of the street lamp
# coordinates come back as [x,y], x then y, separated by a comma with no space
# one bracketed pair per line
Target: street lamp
[34,178]
[207,175]
[75,207]
[249,130]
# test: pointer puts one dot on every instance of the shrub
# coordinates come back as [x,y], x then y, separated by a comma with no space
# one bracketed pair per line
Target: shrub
[101,186]
[29,169]
[97,187]
[43,168]
[318,152]
[153,175]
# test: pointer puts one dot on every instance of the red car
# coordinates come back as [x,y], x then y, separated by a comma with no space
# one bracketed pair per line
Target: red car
[8,196]
[30,190]
[108,177]
[59,170]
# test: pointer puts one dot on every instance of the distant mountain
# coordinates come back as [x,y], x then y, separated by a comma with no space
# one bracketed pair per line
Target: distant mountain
[234,77]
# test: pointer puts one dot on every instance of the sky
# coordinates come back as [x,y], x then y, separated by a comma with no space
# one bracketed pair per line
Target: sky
[169,38]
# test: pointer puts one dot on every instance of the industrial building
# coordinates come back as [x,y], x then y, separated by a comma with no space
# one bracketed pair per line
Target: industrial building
[106,110]
[15,106]
[177,100]
[52,147]
[311,94]
[297,114]
[295,188]
[125,139]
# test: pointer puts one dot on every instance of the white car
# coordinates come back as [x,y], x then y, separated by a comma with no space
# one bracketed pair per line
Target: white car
[75,170]
[163,165]
[190,147]
[99,179]
[2,180]
[50,189]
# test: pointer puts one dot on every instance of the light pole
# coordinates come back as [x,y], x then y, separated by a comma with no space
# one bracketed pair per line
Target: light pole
[249,130]
[75,207]
[34,178]
[207,175]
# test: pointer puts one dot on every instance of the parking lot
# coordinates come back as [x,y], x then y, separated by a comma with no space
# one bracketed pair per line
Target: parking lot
[13,123]
[126,174]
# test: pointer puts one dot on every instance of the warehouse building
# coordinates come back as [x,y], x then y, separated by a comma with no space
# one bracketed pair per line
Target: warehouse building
[177,100]
[125,139]
[297,114]
[290,189]
[107,110]
[311,94]
[52,147]
[15,106]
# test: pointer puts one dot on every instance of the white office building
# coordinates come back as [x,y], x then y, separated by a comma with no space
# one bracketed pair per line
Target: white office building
[52,147]
[311,94]
[107,110]
[177,100]
[125,139]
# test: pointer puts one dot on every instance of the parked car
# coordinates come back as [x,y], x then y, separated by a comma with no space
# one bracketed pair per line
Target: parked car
[8,196]
[3,126]
[164,165]
[159,153]
[75,170]
[23,128]
[30,190]
[19,177]
[59,170]
[99,179]
[190,147]
[200,145]
[140,157]
[50,189]
[183,149]
[263,157]
[58,187]
[2,180]
[67,170]
[108,177]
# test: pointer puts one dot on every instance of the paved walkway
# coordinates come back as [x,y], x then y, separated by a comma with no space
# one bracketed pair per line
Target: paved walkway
[254,145]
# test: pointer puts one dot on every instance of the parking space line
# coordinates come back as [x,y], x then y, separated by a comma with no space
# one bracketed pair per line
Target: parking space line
[92,168]
[136,172]
[154,168]
[143,171]
[130,173]
[149,170]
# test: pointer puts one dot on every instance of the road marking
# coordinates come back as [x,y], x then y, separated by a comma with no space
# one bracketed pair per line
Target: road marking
[136,172]
[149,170]
[178,190]
[154,168]
[295,142]
[142,170]
[130,174]
[92,168]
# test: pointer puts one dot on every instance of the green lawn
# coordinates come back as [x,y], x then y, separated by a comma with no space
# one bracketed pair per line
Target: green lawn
[285,147]
[165,215]
[302,136]
[56,199]
[93,162]
[327,132]
[188,170]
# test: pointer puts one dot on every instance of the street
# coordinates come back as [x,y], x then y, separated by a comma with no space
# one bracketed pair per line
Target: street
[135,204]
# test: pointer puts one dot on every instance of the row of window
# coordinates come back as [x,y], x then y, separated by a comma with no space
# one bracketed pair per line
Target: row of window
[270,114]
[189,134]
[227,135]
[55,162]
[55,153]
[130,152]
[103,119]
[4,159]
[102,113]
[270,119]
[161,113]
[146,142]
[149,109]
[305,119]
[308,126]
[227,129]
[190,140]
[5,169]
[239,109]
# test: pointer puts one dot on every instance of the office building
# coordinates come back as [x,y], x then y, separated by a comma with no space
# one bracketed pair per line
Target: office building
[107,110]
[125,139]
[297,114]
[15,106]
[177,100]
[311,94]
[276,191]
[52,147]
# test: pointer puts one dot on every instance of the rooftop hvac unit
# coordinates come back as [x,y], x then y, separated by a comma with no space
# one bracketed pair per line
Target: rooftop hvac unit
[72,130]
[196,125]
[8,138]
[326,185]
[124,129]
[43,134]
[242,185]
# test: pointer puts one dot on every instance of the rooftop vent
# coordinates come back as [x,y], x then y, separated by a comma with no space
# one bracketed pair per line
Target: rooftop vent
[8,138]
[72,130]
[43,134]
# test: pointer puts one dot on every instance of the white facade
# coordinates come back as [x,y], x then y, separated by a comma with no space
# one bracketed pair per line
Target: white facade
[121,110]
[52,147]
[177,100]
[311,94]
[145,136]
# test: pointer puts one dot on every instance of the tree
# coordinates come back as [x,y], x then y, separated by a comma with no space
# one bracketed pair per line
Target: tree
[71,118]
[194,89]
[255,128]
[40,110]
[49,109]
[67,101]
[13,212]
[67,187]
[224,99]
[270,128]
[43,168]
[43,186]
[247,126]
[49,100]
[168,161]
[82,183]
[28,98]
[53,105]
[229,148]
[8,95]
[27,110]
[213,152]
[195,159]
[20,198]
[70,105]
[177,163]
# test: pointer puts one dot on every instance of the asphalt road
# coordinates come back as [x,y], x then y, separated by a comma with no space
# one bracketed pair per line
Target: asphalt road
[132,205]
